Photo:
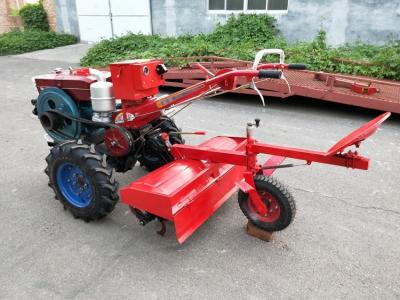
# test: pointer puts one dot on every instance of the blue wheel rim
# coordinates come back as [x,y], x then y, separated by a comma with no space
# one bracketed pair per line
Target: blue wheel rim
[74,185]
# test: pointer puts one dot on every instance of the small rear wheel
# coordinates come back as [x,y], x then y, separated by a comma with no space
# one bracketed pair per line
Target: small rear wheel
[82,180]
[278,201]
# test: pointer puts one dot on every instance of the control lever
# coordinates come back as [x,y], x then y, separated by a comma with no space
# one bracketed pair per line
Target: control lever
[185,132]
[254,87]
[257,59]
[256,123]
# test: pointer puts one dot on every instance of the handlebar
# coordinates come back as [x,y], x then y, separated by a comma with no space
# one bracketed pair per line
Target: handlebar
[281,66]
[223,80]
[277,74]
[262,53]
[278,66]
[296,67]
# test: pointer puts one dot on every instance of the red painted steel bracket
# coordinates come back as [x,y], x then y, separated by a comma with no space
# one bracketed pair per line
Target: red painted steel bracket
[358,135]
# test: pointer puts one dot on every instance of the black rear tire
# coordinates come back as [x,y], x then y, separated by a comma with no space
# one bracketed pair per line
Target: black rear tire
[279,202]
[167,125]
[155,153]
[94,177]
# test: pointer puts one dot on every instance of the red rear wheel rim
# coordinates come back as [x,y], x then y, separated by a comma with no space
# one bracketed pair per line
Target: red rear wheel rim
[272,205]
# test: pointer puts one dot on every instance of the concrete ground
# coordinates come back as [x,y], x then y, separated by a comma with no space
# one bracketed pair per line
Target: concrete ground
[66,54]
[343,244]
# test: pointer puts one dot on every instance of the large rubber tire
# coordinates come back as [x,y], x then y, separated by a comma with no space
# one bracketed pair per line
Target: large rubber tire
[278,200]
[155,153]
[93,179]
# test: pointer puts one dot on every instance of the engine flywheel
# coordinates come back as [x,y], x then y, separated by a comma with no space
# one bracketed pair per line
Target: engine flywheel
[119,142]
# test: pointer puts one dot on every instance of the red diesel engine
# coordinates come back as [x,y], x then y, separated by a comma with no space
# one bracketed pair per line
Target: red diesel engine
[100,107]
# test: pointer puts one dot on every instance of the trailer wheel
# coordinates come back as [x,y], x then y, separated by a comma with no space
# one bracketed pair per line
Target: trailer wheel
[82,180]
[278,200]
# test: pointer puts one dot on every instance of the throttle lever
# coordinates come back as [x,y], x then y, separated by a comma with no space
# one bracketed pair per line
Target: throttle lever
[254,87]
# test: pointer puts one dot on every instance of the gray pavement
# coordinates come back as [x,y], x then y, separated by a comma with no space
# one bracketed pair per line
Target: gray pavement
[67,54]
[343,244]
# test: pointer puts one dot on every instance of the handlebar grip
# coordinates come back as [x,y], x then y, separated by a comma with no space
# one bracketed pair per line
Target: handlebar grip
[297,67]
[200,132]
[269,74]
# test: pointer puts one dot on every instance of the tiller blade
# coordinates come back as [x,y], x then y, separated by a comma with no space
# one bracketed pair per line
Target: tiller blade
[187,191]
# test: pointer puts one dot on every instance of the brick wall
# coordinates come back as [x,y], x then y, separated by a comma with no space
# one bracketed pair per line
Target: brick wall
[8,22]
[51,13]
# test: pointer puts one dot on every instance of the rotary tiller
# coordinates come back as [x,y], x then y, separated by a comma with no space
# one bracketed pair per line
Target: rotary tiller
[97,122]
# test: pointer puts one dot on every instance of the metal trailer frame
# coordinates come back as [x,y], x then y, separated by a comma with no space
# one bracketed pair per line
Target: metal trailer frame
[317,85]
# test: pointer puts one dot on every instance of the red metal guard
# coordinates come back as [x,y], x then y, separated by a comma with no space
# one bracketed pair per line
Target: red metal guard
[190,189]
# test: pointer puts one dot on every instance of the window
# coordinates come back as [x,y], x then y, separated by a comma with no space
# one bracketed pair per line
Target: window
[256,4]
[216,5]
[249,6]
[277,4]
[234,4]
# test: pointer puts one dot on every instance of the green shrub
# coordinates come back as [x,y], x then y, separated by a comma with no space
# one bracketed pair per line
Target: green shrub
[240,37]
[34,17]
[16,42]
[245,28]
[358,59]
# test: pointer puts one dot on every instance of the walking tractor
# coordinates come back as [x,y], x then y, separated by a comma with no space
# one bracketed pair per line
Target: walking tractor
[98,122]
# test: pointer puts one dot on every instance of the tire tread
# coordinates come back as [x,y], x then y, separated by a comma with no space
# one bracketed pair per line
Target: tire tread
[103,180]
[285,199]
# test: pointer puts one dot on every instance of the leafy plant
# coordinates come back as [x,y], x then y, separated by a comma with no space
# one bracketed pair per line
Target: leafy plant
[240,37]
[34,17]
[14,12]
[258,29]
[16,42]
